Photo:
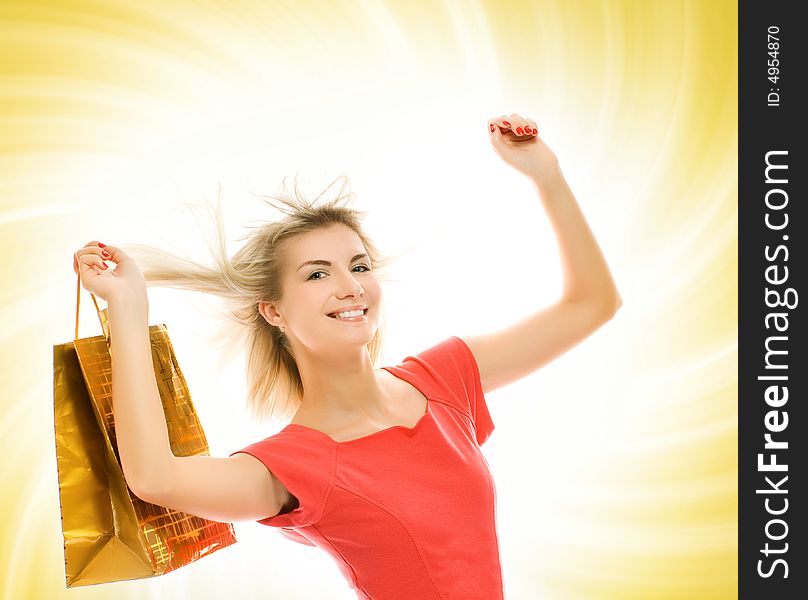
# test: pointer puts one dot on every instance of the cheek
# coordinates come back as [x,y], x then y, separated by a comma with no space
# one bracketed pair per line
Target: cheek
[307,302]
[373,288]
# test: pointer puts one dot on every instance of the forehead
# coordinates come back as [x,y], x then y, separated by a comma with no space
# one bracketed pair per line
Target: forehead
[329,242]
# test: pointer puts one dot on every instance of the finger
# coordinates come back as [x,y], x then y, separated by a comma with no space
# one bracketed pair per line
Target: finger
[530,126]
[78,259]
[114,254]
[518,124]
[89,261]
[494,130]
[97,248]
[501,122]
[92,250]
[93,261]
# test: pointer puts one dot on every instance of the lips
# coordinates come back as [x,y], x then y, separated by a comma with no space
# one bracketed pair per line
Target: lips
[333,315]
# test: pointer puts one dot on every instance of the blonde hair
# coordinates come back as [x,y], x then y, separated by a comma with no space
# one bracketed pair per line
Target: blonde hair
[274,387]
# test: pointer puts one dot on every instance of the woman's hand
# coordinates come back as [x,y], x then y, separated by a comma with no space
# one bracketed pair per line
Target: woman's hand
[517,142]
[97,278]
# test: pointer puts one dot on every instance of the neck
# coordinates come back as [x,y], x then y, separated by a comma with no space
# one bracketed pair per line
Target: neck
[340,385]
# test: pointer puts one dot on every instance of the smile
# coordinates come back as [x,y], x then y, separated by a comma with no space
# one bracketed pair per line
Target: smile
[350,315]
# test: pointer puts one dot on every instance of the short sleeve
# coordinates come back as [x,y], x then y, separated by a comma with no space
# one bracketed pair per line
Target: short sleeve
[451,366]
[305,469]
[467,365]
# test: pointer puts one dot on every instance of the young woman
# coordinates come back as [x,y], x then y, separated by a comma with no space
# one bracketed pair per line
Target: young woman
[379,467]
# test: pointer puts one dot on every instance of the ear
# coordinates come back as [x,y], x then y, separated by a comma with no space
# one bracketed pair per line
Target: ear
[269,312]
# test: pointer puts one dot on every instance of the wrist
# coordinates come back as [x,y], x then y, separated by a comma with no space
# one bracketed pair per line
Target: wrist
[128,301]
[547,181]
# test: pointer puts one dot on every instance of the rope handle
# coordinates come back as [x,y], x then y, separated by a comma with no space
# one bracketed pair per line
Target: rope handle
[103,315]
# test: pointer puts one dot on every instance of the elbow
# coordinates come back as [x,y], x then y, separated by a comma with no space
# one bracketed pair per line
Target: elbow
[612,307]
[603,310]
[145,492]
[153,494]
[148,489]
[607,310]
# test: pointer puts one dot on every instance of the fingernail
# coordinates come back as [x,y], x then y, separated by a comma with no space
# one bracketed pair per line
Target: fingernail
[519,130]
[492,128]
[100,245]
[105,253]
[506,124]
[104,266]
[528,129]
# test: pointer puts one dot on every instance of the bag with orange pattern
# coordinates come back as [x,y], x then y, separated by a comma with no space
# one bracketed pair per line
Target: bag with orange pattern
[109,533]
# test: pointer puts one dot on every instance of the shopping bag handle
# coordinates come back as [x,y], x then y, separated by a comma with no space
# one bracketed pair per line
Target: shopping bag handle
[102,314]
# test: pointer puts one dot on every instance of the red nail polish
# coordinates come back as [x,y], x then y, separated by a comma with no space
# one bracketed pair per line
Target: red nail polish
[519,130]
[506,124]
[100,245]
[528,129]
[492,128]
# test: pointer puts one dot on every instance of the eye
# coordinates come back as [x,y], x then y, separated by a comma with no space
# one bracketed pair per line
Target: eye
[312,276]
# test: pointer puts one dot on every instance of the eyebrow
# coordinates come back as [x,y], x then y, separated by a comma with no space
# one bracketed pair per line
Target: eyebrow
[327,263]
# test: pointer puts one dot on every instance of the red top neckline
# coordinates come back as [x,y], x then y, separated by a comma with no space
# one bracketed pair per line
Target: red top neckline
[396,372]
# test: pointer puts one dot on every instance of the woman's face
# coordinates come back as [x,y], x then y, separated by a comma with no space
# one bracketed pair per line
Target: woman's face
[340,278]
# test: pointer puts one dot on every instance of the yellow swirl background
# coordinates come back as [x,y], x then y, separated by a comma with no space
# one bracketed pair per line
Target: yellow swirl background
[616,464]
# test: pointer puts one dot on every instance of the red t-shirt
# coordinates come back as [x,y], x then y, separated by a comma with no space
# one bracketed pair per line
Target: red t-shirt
[407,513]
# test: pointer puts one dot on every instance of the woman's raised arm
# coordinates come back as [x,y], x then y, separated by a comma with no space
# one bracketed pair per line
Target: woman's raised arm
[238,488]
[589,297]
[229,489]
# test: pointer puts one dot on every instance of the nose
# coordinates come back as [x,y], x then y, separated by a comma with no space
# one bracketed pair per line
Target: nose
[353,286]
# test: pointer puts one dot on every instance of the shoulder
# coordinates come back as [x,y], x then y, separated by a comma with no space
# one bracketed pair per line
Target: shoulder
[445,359]
[445,368]
[447,371]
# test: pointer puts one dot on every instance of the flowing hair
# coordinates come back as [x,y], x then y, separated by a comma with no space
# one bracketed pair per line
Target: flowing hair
[252,274]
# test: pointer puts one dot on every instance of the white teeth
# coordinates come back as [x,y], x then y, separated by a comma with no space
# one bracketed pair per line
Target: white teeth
[350,313]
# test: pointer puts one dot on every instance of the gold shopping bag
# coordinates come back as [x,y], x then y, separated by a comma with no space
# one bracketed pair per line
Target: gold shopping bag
[109,533]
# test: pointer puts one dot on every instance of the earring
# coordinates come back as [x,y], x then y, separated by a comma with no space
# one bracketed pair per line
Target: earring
[282,329]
